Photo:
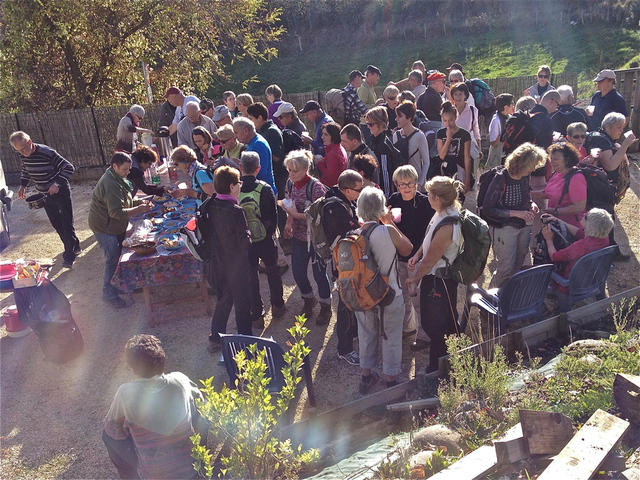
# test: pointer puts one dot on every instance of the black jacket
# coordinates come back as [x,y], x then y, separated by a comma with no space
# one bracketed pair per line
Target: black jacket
[430,102]
[363,149]
[493,209]
[268,211]
[382,145]
[136,177]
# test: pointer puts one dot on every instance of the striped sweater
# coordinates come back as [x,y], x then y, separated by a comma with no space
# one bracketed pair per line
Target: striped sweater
[44,167]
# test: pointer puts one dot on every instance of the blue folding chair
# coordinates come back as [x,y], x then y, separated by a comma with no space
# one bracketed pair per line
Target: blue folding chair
[586,279]
[521,296]
[232,344]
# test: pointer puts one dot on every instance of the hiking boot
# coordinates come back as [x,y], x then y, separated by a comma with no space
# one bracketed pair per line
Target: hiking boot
[352,358]
[278,311]
[366,382]
[325,314]
[307,309]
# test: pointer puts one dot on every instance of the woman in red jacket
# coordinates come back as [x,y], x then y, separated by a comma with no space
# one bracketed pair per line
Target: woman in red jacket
[335,160]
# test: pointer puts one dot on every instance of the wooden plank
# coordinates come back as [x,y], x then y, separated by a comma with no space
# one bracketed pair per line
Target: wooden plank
[432,402]
[512,447]
[630,474]
[470,467]
[587,450]
[546,432]
[626,393]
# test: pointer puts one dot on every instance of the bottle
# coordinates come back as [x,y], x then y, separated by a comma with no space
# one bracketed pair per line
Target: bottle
[153,172]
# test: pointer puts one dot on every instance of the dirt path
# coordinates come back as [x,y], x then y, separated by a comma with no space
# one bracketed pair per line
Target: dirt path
[51,416]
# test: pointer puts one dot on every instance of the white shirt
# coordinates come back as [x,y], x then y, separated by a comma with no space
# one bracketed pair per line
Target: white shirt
[469,121]
[495,128]
[384,253]
[179,115]
[457,240]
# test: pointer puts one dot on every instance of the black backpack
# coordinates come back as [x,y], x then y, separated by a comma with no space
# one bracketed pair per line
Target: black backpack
[601,193]
[518,130]
[402,144]
[197,234]
[562,238]
[485,180]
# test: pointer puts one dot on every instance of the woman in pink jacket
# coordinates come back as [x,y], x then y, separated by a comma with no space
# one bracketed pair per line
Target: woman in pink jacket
[335,160]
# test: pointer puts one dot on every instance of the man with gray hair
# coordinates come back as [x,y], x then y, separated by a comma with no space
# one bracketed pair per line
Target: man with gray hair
[245,131]
[566,113]
[259,204]
[415,83]
[193,118]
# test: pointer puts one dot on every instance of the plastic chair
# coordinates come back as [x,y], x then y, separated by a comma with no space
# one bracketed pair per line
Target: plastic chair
[521,296]
[586,279]
[232,344]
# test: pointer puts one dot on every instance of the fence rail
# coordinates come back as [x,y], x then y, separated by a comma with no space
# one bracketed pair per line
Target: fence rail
[87,137]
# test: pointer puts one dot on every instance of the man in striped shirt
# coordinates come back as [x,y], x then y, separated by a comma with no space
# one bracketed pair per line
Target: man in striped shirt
[50,173]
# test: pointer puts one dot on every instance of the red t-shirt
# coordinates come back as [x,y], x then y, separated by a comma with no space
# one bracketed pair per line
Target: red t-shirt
[577,193]
[575,251]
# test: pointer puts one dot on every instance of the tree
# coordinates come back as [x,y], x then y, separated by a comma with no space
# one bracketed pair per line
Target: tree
[78,53]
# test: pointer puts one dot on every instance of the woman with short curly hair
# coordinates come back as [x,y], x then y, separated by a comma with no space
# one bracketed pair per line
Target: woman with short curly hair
[509,210]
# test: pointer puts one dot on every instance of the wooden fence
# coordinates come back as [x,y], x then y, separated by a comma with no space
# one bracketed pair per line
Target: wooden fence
[87,137]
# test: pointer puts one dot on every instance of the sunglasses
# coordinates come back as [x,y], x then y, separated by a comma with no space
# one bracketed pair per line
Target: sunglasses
[406,185]
[542,75]
[356,189]
[577,137]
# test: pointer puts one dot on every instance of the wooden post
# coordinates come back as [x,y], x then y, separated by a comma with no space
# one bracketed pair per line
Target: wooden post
[626,392]
[588,449]
[546,432]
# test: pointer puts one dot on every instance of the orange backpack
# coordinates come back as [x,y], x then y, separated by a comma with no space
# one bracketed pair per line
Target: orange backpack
[360,283]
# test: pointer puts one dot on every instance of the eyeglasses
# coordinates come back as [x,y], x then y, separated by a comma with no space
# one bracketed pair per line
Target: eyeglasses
[392,99]
[578,137]
[356,189]
[542,75]
[406,185]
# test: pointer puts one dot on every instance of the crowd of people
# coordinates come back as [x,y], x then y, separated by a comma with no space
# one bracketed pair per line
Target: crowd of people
[396,172]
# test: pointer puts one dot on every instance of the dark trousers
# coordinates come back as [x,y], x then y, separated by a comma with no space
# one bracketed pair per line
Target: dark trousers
[346,328]
[234,293]
[268,252]
[301,253]
[123,455]
[111,245]
[438,314]
[60,213]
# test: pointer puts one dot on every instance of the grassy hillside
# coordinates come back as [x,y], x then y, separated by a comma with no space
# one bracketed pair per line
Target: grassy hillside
[578,48]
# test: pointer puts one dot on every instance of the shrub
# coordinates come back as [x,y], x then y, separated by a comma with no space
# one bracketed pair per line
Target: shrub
[246,417]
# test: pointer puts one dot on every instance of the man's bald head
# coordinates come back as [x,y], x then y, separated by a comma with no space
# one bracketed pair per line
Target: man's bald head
[192,110]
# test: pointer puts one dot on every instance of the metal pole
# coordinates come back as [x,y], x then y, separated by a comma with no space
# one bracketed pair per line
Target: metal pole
[147,84]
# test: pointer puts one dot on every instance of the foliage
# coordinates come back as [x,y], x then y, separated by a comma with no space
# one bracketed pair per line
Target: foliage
[439,461]
[246,417]
[626,314]
[77,53]
[583,381]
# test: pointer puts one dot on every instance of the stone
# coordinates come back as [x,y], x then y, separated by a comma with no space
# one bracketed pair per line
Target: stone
[420,458]
[439,436]
[590,345]
[592,359]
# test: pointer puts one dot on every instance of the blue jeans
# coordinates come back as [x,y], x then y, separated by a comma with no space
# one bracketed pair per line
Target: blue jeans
[111,245]
[300,256]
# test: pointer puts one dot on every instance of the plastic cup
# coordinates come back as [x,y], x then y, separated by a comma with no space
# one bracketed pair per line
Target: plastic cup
[396,213]
[590,109]
[595,152]
[628,133]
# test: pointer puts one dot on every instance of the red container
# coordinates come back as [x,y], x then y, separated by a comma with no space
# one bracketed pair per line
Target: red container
[7,272]
[15,328]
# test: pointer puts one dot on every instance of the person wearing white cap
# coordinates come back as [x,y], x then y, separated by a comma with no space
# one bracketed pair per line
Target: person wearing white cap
[607,99]
[288,117]
[221,116]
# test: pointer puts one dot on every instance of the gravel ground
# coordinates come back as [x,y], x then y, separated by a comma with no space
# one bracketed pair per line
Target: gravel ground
[51,416]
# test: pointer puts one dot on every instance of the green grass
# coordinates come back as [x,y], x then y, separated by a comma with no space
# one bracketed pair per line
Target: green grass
[581,49]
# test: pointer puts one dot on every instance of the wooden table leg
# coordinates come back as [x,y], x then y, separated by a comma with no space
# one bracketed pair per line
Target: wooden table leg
[146,292]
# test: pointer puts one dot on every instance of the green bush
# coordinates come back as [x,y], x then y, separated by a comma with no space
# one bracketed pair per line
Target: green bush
[245,418]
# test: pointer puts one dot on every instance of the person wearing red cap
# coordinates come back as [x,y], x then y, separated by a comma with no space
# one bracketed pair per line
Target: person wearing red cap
[430,102]
[177,99]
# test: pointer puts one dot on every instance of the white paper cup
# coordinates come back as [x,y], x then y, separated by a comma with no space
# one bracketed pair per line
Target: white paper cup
[590,110]
[595,152]
[396,213]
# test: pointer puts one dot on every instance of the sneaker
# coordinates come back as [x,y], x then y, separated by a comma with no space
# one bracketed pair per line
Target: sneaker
[116,302]
[324,316]
[67,264]
[77,250]
[278,311]
[352,358]
[367,382]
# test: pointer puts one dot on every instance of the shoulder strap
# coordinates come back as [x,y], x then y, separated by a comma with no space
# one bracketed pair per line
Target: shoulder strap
[367,234]
[309,189]
[289,187]
[450,220]
[567,181]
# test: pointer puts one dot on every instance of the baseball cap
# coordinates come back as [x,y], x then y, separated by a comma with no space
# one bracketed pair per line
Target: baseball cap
[220,112]
[373,69]
[454,66]
[310,105]
[172,91]
[284,107]
[436,76]
[605,74]
[355,74]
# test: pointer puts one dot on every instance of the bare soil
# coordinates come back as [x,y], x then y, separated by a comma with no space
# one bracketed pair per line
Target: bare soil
[51,415]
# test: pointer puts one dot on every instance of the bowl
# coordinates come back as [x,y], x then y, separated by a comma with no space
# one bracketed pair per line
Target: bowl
[170,242]
[172,215]
[144,248]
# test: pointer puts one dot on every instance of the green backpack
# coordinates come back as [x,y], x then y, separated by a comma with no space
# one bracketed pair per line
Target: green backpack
[250,202]
[470,263]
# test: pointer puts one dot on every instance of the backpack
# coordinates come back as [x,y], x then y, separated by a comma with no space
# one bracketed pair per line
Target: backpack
[250,202]
[485,180]
[402,145]
[562,238]
[196,233]
[209,171]
[518,130]
[361,285]
[601,193]
[483,96]
[599,140]
[334,100]
[315,227]
[470,262]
